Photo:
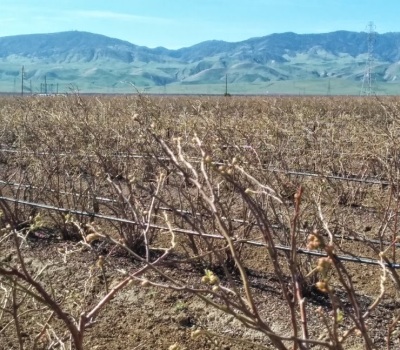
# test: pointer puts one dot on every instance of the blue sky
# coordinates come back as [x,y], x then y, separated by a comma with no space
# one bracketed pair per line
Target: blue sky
[179,23]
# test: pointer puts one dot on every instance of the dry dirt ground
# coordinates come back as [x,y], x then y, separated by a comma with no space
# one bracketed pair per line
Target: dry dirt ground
[154,318]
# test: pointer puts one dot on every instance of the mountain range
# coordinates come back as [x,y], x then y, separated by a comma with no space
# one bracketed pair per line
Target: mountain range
[289,62]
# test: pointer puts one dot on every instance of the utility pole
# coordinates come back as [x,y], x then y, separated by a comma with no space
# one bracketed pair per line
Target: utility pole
[367,83]
[22,80]
[329,88]
[226,85]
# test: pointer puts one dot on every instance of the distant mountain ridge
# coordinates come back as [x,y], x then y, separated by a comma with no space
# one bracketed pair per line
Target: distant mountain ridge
[61,46]
[95,61]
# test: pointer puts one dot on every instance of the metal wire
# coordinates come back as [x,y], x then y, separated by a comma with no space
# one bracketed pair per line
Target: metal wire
[187,212]
[352,178]
[354,259]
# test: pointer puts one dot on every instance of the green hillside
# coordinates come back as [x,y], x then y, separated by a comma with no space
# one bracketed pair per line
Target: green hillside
[332,63]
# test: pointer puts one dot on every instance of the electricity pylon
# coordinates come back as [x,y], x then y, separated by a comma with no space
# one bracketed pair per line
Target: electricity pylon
[367,88]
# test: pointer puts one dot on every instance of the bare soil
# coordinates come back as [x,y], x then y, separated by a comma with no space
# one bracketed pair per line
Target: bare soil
[156,318]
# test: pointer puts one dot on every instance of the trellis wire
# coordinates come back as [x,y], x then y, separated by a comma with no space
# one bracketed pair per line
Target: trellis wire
[371,181]
[186,212]
[354,259]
